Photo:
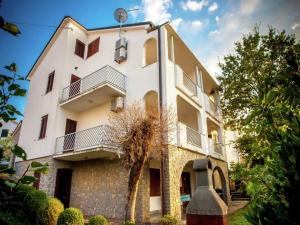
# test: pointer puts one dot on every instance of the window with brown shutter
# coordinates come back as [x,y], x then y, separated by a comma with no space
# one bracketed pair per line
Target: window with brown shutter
[50,82]
[154,182]
[93,47]
[36,183]
[79,48]
[43,127]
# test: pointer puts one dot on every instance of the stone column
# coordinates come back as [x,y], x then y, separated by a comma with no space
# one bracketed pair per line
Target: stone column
[206,207]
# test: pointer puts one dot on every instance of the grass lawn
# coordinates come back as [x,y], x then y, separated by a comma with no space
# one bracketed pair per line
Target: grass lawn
[238,218]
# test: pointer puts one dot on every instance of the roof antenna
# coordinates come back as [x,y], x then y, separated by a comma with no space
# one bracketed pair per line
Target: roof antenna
[121,16]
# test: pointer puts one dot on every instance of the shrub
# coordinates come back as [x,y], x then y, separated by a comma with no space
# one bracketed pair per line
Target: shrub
[7,218]
[168,220]
[71,216]
[128,222]
[49,214]
[98,220]
[33,200]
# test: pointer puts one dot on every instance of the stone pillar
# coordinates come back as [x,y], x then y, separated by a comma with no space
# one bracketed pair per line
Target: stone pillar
[206,207]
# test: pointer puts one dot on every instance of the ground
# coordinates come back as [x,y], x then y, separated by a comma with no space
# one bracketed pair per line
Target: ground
[238,218]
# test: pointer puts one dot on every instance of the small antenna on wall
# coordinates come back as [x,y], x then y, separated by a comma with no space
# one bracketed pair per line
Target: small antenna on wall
[121,16]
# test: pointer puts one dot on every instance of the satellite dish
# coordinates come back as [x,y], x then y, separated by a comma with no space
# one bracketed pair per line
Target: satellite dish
[120,15]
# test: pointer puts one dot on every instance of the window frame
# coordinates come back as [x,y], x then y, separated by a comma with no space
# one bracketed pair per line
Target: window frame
[2,132]
[77,51]
[50,82]
[154,182]
[43,128]
[93,48]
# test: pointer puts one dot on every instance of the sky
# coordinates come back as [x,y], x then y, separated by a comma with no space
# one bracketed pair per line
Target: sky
[208,27]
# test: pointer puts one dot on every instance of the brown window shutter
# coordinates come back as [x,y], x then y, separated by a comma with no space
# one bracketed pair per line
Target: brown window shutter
[36,183]
[93,47]
[79,48]
[43,127]
[154,182]
[50,82]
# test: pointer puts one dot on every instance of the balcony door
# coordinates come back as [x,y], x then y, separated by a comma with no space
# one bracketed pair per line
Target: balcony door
[75,84]
[69,141]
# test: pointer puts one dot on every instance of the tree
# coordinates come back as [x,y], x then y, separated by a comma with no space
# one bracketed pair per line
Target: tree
[266,70]
[9,88]
[141,135]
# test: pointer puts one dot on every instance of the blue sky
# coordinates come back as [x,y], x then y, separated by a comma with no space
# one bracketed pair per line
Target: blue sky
[208,27]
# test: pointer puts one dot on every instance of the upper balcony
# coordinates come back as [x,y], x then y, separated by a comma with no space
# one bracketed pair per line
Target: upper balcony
[91,143]
[187,85]
[93,89]
[212,108]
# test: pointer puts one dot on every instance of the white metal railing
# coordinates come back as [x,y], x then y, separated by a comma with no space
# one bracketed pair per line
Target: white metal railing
[193,137]
[189,84]
[216,147]
[95,137]
[212,108]
[105,75]
[188,137]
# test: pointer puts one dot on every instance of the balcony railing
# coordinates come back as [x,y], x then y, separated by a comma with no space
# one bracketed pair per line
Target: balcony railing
[213,108]
[216,147]
[96,137]
[105,75]
[188,137]
[187,85]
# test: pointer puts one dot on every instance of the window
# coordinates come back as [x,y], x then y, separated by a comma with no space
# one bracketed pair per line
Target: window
[43,127]
[4,133]
[150,52]
[36,183]
[79,48]
[93,47]
[154,182]
[50,82]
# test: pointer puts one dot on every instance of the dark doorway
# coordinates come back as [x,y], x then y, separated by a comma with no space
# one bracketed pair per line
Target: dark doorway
[185,188]
[75,84]
[70,130]
[63,186]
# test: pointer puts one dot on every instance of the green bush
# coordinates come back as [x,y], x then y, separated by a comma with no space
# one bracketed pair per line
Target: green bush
[33,200]
[7,218]
[49,214]
[168,220]
[128,222]
[71,216]
[98,220]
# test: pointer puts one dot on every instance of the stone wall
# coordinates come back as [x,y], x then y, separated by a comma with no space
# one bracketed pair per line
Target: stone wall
[98,186]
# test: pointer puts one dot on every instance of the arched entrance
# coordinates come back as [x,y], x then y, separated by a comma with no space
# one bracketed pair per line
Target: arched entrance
[219,183]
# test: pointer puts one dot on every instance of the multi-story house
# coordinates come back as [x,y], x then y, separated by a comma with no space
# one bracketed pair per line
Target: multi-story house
[81,76]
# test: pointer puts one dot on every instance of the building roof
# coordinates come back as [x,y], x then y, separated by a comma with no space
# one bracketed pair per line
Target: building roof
[68,19]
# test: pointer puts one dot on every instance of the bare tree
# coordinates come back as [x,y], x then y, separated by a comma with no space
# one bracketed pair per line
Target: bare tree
[142,135]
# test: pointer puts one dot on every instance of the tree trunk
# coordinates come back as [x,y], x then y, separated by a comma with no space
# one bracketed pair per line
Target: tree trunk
[133,184]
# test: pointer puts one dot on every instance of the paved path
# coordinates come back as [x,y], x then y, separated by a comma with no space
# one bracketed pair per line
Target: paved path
[236,205]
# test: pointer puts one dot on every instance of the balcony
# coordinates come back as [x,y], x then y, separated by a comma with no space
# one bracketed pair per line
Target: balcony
[94,89]
[187,85]
[215,147]
[87,144]
[189,138]
[212,108]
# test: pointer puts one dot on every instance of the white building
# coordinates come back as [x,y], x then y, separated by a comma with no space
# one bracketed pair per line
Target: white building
[81,76]
[7,128]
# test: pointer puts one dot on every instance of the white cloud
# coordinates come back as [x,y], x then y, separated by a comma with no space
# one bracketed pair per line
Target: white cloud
[157,10]
[217,19]
[248,6]
[295,26]
[214,32]
[176,23]
[194,5]
[196,24]
[213,7]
